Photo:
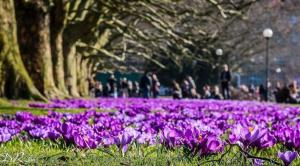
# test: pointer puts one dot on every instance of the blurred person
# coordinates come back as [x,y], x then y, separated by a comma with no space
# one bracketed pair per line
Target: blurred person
[176,90]
[262,93]
[106,90]
[155,86]
[194,94]
[296,88]
[244,93]
[98,89]
[207,92]
[130,89]
[293,91]
[185,89]
[192,84]
[252,95]
[283,94]
[225,82]
[256,93]
[277,91]
[146,84]
[124,88]
[136,89]
[215,94]
[91,87]
[113,86]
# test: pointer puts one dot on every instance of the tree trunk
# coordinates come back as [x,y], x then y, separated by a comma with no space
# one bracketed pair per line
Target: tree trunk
[58,19]
[82,76]
[33,19]
[10,58]
[58,60]
[71,69]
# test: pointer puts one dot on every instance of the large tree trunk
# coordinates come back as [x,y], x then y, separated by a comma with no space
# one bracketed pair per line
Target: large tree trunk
[82,76]
[58,60]
[71,69]
[33,19]
[58,19]
[10,59]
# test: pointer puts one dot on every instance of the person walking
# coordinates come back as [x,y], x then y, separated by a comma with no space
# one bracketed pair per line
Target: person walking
[98,89]
[130,88]
[136,89]
[225,81]
[124,87]
[113,86]
[145,84]
[91,87]
[176,90]
[192,85]
[155,86]
[185,89]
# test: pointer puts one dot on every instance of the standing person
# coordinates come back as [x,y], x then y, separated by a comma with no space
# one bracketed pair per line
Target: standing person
[98,89]
[136,89]
[293,89]
[124,88]
[91,86]
[185,89]
[192,85]
[106,90]
[146,85]
[225,81]
[262,93]
[176,90]
[113,86]
[277,91]
[130,89]
[155,86]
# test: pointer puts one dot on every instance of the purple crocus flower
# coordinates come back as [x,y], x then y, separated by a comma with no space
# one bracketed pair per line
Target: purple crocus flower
[4,135]
[67,131]
[214,144]
[258,162]
[85,141]
[287,157]
[24,116]
[53,134]
[122,141]
[252,136]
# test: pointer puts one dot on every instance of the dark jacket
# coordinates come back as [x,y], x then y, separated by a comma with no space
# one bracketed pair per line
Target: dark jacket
[145,82]
[225,76]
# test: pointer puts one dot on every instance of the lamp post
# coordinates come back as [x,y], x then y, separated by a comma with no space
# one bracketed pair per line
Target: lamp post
[278,71]
[268,33]
[219,52]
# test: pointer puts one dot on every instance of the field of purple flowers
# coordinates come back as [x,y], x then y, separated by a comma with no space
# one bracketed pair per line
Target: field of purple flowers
[193,132]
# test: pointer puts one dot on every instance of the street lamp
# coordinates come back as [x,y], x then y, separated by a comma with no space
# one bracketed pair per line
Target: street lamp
[268,33]
[278,70]
[219,52]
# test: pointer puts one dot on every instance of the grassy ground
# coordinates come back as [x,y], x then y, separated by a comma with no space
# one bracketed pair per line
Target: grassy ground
[11,107]
[48,153]
[44,152]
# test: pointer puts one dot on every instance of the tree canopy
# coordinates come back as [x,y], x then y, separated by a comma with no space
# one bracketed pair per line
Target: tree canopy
[53,46]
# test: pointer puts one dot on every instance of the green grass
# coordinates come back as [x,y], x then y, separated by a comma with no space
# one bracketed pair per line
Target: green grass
[46,152]
[10,108]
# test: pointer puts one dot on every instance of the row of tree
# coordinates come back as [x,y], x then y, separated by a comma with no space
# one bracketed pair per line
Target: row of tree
[48,48]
